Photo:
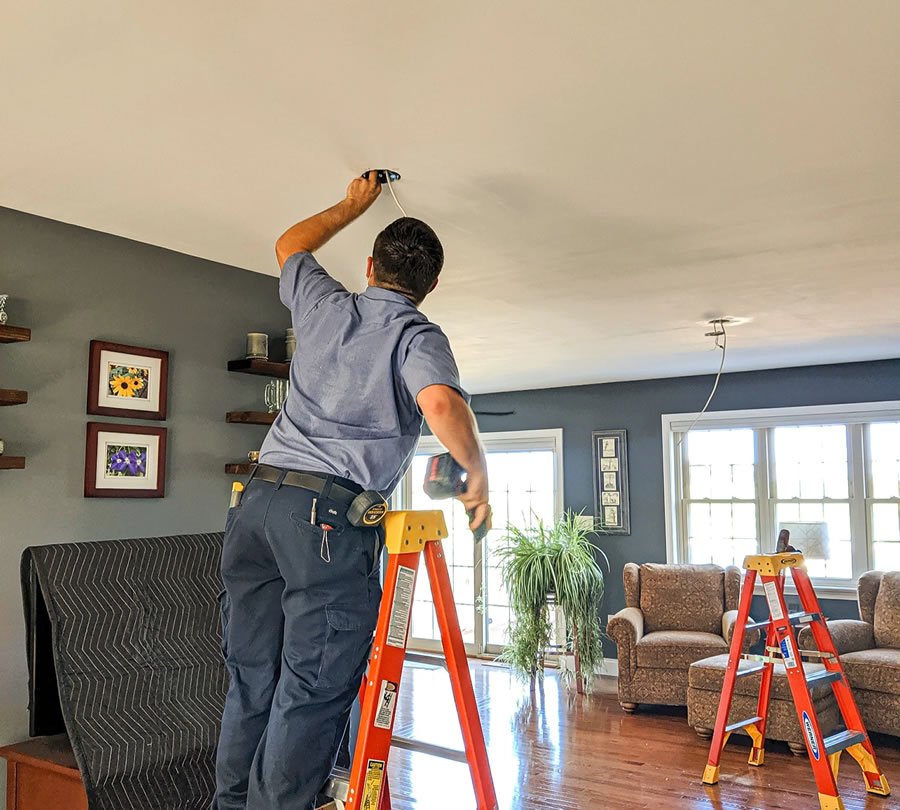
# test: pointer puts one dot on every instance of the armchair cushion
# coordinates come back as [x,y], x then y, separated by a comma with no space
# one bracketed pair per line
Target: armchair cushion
[849,635]
[867,589]
[677,649]
[887,611]
[682,597]
[877,670]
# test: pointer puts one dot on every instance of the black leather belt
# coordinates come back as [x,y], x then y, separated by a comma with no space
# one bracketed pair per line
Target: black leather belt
[341,488]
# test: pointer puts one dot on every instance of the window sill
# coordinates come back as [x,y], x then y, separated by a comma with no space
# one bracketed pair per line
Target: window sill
[847,592]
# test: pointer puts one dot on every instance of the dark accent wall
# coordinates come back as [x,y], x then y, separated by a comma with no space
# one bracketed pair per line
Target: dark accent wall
[71,285]
[638,407]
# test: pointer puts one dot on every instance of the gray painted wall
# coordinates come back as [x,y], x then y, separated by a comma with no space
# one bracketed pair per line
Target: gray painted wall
[71,285]
[638,407]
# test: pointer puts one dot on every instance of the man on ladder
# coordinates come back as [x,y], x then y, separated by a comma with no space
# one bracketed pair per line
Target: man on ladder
[300,562]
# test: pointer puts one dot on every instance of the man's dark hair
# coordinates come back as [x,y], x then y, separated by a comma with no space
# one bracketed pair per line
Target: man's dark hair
[408,257]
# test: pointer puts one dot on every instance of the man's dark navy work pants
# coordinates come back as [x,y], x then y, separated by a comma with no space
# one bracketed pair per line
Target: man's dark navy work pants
[296,632]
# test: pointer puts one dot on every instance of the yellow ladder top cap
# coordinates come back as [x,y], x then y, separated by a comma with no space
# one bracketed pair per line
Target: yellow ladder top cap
[409,531]
[771,565]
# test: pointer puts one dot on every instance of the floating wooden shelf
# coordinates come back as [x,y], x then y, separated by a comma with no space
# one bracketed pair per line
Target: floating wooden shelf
[14,334]
[237,469]
[250,417]
[12,462]
[9,396]
[265,368]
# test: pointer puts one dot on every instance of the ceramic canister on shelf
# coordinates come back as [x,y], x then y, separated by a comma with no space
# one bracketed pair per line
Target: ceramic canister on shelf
[290,344]
[257,346]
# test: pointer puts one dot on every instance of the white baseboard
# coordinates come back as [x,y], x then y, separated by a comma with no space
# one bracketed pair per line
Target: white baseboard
[610,667]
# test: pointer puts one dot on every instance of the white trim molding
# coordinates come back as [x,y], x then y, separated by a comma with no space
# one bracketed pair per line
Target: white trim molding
[854,415]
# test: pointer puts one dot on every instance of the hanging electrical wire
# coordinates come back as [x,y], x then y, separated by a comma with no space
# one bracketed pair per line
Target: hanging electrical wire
[387,175]
[718,332]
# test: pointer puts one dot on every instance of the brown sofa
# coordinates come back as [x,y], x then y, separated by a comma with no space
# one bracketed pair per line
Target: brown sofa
[870,650]
[674,615]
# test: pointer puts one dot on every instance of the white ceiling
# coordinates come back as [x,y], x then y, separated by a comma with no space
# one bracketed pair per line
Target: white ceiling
[604,175]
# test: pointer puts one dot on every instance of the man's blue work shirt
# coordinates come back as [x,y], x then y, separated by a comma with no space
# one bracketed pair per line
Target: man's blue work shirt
[360,363]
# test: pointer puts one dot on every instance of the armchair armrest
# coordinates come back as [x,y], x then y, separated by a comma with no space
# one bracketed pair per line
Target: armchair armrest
[729,622]
[850,635]
[626,628]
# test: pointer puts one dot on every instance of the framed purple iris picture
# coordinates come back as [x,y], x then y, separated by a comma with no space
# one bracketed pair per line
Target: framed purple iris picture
[125,461]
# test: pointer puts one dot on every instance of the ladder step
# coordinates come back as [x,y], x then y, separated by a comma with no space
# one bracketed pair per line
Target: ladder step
[338,785]
[742,724]
[428,659]
[749,671]
[842,740]
[803,617]
[825,676]
[427,748]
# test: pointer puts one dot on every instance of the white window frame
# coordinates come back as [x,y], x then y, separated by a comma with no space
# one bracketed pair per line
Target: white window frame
[496,441]
[854,415]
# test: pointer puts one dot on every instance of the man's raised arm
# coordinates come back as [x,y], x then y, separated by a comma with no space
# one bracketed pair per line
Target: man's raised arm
[310,234]
[453,423]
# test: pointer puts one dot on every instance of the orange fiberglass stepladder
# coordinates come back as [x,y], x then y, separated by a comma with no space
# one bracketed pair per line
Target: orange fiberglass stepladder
[781,645]
[409,535]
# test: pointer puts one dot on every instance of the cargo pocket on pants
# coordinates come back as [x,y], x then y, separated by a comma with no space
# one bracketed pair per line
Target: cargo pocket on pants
[348,636]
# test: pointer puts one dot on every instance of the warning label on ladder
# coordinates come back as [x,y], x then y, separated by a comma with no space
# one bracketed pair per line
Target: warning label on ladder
[387,703]
[774,601]
[787,652]
[372,789]
[401,607]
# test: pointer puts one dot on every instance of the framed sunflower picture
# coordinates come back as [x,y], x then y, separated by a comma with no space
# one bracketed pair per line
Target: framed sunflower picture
[125,461]
[127,381]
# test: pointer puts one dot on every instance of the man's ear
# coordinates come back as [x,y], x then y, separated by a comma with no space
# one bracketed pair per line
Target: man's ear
[370,269]
[434,285]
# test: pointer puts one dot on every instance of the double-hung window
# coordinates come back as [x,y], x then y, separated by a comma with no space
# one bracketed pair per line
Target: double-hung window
[525,477]
[734,477]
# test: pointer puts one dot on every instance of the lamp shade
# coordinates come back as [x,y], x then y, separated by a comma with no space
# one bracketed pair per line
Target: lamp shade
[810,537]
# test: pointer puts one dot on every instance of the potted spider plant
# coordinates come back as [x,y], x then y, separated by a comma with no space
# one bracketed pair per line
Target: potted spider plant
[552,563]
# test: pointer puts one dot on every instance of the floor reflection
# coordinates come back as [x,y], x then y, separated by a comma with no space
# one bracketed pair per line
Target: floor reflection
[555,750]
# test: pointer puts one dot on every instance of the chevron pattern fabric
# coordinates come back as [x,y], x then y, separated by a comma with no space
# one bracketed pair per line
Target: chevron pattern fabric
[137,649]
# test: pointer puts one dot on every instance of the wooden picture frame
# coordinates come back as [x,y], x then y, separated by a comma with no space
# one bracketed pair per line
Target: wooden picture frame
[127,381]
[125,461]
[612,511]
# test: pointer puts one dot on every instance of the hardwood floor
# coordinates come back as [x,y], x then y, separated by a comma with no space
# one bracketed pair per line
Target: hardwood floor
[560,751]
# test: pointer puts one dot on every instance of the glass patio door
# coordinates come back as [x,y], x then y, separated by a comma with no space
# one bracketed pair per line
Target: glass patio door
[525,473]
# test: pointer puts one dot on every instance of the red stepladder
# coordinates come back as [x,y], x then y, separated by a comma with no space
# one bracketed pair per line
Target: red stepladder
[781,645]
[408,536]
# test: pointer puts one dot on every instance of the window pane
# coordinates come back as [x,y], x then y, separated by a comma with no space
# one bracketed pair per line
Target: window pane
[886,522]
[837,516]
[887,556]
[721,464]
[722,533]
[884,447]
[886,536]
[811,462]
[522,492]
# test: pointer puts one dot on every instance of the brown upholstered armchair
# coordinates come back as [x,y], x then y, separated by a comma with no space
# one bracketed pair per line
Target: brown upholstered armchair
[674,615]
[870,650]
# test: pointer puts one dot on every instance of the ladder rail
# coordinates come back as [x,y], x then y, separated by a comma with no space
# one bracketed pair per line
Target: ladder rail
[460,679]
[367,788]
[720,736]
[781,643]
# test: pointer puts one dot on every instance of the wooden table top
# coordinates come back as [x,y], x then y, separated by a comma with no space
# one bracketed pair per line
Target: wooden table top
[54,753]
